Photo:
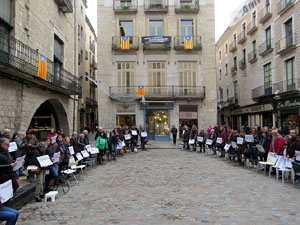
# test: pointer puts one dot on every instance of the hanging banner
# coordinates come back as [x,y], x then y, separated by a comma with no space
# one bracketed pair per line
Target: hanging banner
[42,67]
[188,42]
[125,43]
[140,91]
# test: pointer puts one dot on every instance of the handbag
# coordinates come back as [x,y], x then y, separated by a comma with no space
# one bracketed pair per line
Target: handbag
[32,169]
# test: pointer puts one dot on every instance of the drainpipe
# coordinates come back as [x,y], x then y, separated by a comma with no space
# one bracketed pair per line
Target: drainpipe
[75,61]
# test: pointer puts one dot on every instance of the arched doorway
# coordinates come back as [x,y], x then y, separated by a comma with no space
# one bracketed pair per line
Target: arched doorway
[50,114]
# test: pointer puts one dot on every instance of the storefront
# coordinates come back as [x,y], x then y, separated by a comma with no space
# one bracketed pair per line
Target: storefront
[188,116]
[126,115]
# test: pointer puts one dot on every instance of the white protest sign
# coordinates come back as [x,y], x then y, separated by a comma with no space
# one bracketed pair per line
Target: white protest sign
[56,157]
[233,144]
[88,148]
[219,140]
[94,151]
[288,163]
[44,161]
[19,162]
[12,147]
[53,139]
[144,134]
[133,132]
[85,154]
[209,142]
[260,148]
[71,150]
[183,132]
[6,191]
[127,137]
[123,144]
[227,147]
[192,141]
[240,141]
[280,163]
[79,156]
[249,138]
[272,157]
[119,146]
[200,139]
[298,155]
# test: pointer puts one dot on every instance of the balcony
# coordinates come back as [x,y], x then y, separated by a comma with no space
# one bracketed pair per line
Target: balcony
[261,92]
[252,56]
[133,43]
[242,64]
[233,70]
[93,82]
[264,15]
[284,5]
[265,48]
[91,103]
[287,86]
[156,6]
[65,6]
[161,93]
[286,44]
[220,104]
[242,37]
[187,6]
[179,43]
[233,46]
[20,62]
[93,64]
[252,27]
[92,47]
[233,101]
[157,43]
[125,7]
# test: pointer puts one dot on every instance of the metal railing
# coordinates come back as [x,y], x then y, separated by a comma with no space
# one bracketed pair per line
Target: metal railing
[152,6]
[179,42]
[242,64]
[233,70]
[196,92]
[286,43]
[252,56]
[261,91]
[120,6]
[252,27]
[233,46]
[265,14]
[133,43]
[286,85]
[242,37]
[265,47]
[91,102]
[282,5]
[21,57]
[187,7]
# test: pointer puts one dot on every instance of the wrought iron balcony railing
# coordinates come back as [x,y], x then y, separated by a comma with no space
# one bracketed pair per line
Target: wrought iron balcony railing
[265,48]
[285,44]
[157,42]
[19,60]
[261,91]
[65,6]
[264,15]
[156,6]
[179,43]
[252,27]
[242,37]
[242,64]
[91,102]
[284,5]
[162,92]
[187,6]
[286,86]
[252,56]
[125,7]
[233,70]
[233,46]
[133,43]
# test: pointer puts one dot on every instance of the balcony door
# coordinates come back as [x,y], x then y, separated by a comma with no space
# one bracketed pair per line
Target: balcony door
[156,78]
[290,79]
[126,29]
[186,29]
[187,78]
[289,32]
[156,28]
[126,81]
[268,38]
[268,79]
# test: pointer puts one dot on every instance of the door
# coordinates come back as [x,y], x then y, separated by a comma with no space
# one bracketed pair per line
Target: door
[157,124]
[268,79]
[289,32]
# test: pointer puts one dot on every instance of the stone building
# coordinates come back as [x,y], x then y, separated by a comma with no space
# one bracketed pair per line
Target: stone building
[248,62]
[179,83]
[33,31]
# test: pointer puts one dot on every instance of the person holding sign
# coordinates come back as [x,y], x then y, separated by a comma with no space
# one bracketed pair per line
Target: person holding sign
[253,141]
[102,145]
[52,135]
[201,140]
[114,141]
[61,146]
[127,141]
[186,138]
[53,174]
[144,138]
[213,137]
[135,135]
[193,136]
[8,214]
[221,143]
[265,143]
[293,145]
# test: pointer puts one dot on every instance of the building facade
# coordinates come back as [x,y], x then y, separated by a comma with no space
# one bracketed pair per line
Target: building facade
[170,54]
[250,66]
[38,68]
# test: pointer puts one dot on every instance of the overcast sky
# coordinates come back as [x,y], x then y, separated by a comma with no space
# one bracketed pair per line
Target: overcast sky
[223,10]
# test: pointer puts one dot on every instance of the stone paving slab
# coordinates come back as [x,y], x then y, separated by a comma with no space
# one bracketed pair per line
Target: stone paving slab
[168,186]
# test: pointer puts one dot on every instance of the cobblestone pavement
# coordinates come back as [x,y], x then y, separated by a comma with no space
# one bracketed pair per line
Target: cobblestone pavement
[168,186]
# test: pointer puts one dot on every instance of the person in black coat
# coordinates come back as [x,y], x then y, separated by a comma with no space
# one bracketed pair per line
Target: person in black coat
[186,138]
[265,143]
[293,144]
[174,132]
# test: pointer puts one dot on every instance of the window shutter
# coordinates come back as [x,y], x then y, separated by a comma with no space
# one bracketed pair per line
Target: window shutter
[195,27]
[135,28]
[147,26]
[178,27]
[118,27]
[165,26]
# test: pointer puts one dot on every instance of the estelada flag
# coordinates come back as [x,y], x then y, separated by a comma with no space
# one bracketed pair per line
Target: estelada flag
[140,91]
[42,67]
[188,42]
[125,42]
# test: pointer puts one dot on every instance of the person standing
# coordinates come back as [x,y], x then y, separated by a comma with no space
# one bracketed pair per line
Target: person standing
[20,153]
[186,138]
[174,132]
[202,144]
[86,137]
[277,143]
[193,136]
[52,135]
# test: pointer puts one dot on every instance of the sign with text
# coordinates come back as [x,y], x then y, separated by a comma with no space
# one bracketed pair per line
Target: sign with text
[44,161]
[19,162]
[56,157]
[6,191]
[12,147]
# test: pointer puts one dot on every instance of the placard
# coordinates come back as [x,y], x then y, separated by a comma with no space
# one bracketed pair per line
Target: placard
[79,156]
[288,163]
[192,141]
[134,132]
[272,157]
[219,140]
[298,155]
[240,141]
[227,147]
[56,157]
[94,150]
[44,161]
[280,163]
[12,147]
[200,139]
[88,148]
[85,154]
[260,148]
[249,138]
[19,162]
[127,137]
[119,146]
[144,134]
[71,150]
[123,144]
[209,142]
[6,191]
[53,139]
[233,144]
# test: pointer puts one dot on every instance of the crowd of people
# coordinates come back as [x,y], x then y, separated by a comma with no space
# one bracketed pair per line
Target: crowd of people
[110,145]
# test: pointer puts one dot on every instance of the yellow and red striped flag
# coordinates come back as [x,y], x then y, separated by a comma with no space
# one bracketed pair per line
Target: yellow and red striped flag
[188,42]
[42,67]
[140,91]
[125,42]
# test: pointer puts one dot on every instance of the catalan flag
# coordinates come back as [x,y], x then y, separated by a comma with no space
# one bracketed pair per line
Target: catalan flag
[188,42]
[140,91]
[125,42]
[42,67]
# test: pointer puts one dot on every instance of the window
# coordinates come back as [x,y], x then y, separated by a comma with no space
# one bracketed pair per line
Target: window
[254,45]
[58,57]
[227,93]
[81,55]
[290,76]
[156,28]
[126,77]
[5,11]
[268,78]
[126,28]
[81,9]
[254,19]
[289,32]
[235,88]
[157,74]
[187,77]
[221,93]
[220,55]
[268,37]
[220,74]
[226,69]
[268,6]
[186,28]
[244,55]
[79,59]
[125,2]
[235,61]
[244,29]
[226,48]
[234,39]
